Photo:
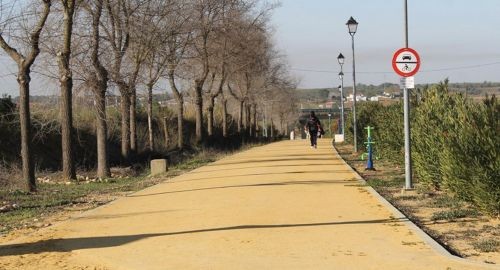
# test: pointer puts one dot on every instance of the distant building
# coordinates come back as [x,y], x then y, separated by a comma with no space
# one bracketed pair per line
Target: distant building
[359,97]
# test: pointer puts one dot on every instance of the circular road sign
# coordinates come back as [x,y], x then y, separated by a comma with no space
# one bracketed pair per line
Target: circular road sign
[406,62]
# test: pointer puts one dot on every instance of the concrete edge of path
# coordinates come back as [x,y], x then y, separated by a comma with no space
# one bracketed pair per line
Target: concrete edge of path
[399,215]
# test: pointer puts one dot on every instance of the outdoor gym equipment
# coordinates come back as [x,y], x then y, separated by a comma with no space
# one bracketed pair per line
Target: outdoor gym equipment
[369,142]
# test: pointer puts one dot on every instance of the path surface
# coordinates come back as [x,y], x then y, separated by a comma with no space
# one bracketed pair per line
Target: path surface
[280,206]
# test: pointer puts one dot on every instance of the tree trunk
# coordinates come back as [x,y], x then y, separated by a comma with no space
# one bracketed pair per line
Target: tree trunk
[25,122]
[66,115]
[150,118]
[133,121]
[254,120]
[224,117]
[66,85]
[282,126]
[240,117]
[198,101]
[244,119]
[165,132]
[272,128]
[133,107]
[249,119]
[100,81]
[180,123]
[102,129]
[210,110]
[180,109]
[125,128]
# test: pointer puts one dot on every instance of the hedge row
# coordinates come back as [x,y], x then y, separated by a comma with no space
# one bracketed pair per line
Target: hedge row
[455,142]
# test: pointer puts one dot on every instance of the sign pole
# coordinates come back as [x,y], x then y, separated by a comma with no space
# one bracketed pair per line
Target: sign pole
[406,94]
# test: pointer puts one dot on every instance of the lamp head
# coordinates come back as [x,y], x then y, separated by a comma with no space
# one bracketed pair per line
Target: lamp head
[340,58]
[352,25]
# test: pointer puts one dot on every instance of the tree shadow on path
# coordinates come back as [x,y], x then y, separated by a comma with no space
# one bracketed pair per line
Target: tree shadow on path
[307,182]
[70,244]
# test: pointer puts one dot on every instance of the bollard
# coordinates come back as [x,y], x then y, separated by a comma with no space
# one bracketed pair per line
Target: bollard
[369,143]
[158,166]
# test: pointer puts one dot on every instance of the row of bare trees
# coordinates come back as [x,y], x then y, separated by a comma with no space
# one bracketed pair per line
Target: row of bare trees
[211,51]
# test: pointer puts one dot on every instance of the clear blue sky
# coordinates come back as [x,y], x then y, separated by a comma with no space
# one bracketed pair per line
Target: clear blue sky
[448,34]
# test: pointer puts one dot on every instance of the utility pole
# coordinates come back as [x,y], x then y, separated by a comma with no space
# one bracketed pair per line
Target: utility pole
[406,104]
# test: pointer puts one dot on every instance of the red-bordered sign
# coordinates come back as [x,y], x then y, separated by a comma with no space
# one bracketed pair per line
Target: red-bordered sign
[406,62]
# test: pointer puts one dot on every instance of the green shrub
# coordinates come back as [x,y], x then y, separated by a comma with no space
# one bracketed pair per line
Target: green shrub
[455,143]
[388,132]
[430,129]
[389,140]
[471,156]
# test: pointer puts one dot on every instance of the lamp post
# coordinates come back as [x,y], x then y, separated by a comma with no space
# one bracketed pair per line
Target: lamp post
[340,59]
[352,26]
[329,124]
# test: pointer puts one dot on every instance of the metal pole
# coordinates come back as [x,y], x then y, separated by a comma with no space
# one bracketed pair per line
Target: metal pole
[406,96]
[342,102]
[329,124]
[408,180]
[406,23]
[354,97]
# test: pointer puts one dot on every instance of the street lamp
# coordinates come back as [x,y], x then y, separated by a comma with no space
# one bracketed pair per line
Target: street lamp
[329,124]
[352,26]
[340,59]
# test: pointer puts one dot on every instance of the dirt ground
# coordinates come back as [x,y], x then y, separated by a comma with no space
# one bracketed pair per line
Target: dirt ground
[467,236]
[279,206]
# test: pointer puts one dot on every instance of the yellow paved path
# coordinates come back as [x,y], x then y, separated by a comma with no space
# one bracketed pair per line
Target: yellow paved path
[280,206]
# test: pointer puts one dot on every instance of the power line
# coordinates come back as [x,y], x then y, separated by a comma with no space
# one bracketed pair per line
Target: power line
[462,67]
[345,72]
[390,72]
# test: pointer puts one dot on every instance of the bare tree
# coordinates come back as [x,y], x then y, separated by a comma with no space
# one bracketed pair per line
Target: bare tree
[221,46]
[97,79]
[24,65]
[66,85]
[205,15]
[249,61]
[275,93]
[154,28]
[117,28]
[144,42]
[179,36]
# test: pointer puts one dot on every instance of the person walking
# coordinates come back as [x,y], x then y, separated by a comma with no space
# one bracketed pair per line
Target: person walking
[313,126]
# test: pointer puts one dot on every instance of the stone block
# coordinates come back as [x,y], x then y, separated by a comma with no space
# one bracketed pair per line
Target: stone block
[339,138]
[158,166]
